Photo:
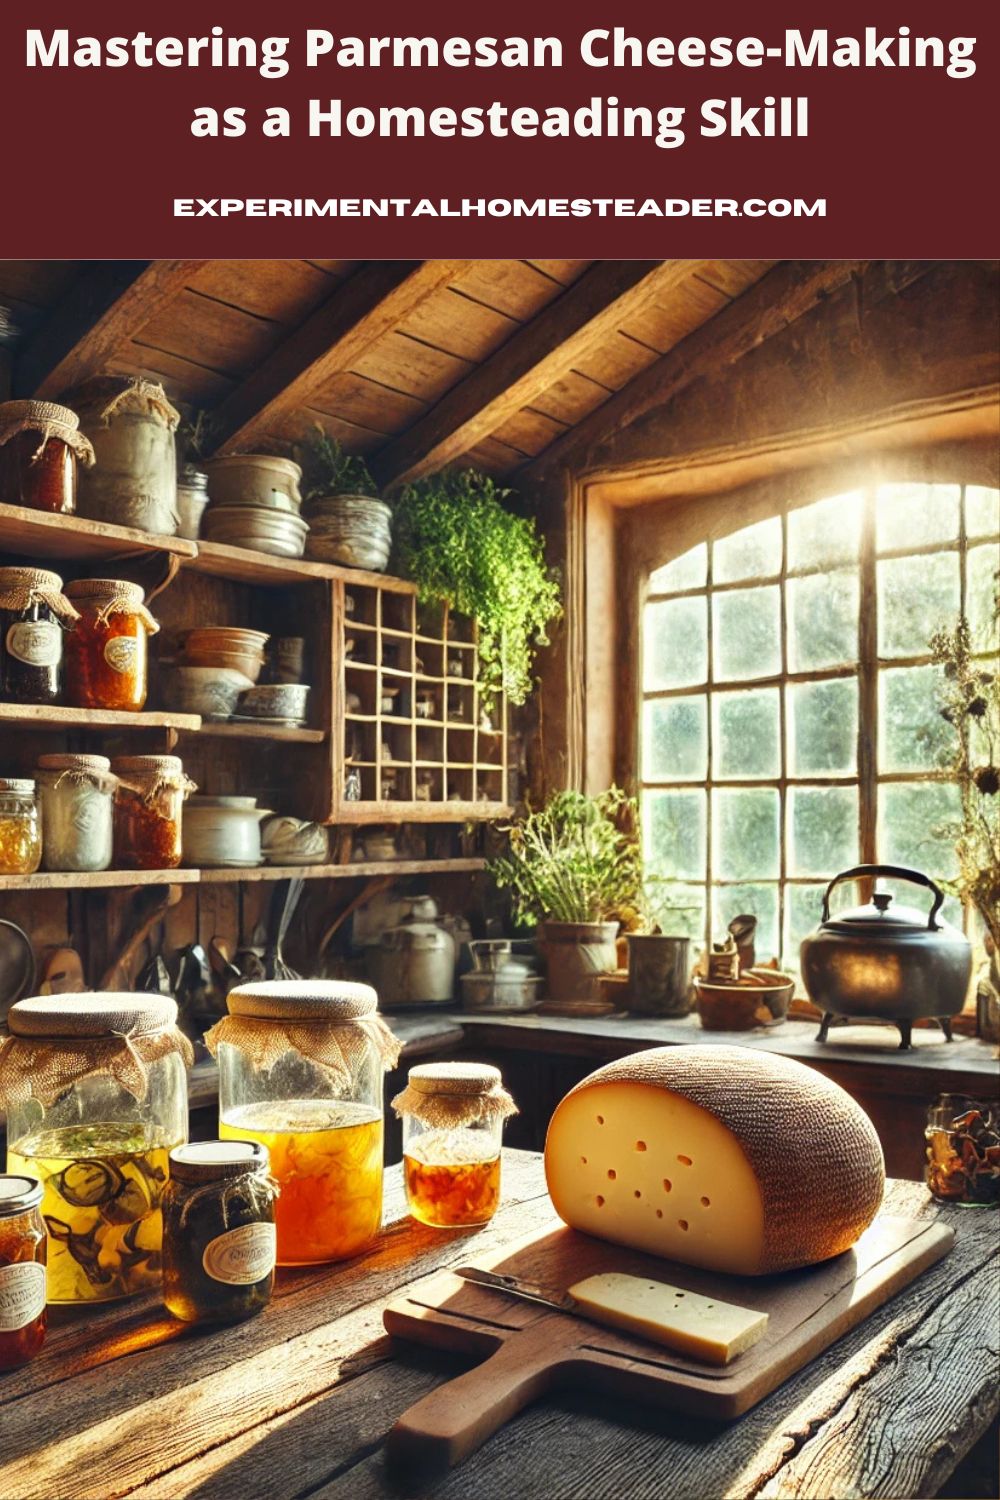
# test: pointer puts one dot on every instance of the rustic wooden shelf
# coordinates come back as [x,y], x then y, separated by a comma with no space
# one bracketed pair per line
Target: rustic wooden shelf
[246,566]
[52,716]
[353,870]
[38,533]
[92,880]
[296,734]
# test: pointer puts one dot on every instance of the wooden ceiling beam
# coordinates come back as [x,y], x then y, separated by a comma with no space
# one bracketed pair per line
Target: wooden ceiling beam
[109,303]
[535,357]
[787,292]
[360,311]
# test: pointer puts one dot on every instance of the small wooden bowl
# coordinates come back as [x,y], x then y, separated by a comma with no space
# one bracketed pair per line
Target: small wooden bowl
[744,1007]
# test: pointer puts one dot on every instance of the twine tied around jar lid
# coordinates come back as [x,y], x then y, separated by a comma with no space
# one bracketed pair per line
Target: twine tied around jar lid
[224,1170]
[149,775]
[20,588]
[446,1094]
[80,770]
[331,1023]
[49,421]
[57,1040]
[105,395]
[114,596]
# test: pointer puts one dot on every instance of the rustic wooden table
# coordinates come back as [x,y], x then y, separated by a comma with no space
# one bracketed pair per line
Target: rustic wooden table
[123,1401]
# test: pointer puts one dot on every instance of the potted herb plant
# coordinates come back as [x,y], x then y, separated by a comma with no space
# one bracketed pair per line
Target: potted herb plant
[348,523]
[462,546]
[573,867]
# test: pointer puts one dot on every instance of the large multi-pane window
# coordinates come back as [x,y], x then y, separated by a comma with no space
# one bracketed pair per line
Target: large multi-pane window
[790,723]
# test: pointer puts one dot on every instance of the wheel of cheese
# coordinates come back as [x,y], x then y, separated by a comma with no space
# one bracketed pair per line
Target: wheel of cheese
[722,1157]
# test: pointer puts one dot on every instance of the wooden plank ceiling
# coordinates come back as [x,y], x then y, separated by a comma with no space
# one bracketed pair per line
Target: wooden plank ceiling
[414,364]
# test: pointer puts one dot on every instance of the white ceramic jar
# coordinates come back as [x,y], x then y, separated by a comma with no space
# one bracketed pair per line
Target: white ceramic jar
[77,794]
[223,831]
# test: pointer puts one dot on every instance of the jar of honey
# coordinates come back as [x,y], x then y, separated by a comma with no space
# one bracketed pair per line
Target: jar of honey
[22,1270]
[40,447]
[106,651]
[95,1092]
[300,1072]
[219,1241]
[149,803]
[20,827]
[453,1114]
[34,615]
[77,794]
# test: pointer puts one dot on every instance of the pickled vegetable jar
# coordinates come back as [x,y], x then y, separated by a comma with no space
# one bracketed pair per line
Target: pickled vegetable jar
[34,614]
[77,800]
[22,1270]
[40,447]
[300,1072]
[106,651]
[219,1241]
[149,802]
[96,1097]
[20,827]
[453,1116]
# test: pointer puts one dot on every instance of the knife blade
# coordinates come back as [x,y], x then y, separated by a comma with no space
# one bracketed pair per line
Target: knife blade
[529,1291]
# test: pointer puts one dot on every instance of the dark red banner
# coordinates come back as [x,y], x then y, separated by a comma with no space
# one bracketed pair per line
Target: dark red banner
[613,130]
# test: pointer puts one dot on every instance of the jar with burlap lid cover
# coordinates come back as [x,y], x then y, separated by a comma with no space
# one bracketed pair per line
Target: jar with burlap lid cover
[95,1091]
[149,805]
[34,615]
[453,1115]
[40,448]
[131,425]
[300,1072]
[77,794]
[106,651]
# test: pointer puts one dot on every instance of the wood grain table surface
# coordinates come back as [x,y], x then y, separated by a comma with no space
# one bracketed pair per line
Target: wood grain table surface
[297,1403]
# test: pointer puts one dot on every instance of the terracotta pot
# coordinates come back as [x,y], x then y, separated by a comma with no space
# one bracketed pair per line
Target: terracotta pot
[577,956]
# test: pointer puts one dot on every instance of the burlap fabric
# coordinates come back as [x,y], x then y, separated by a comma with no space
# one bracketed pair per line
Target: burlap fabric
[444,1095]
[57,1040]
[151,775]
[113,596]
[105,395]
[331,1024]
[79,770]
[47,420]
[20,588]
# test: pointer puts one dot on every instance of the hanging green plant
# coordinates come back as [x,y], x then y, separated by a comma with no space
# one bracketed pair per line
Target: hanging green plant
[462,547]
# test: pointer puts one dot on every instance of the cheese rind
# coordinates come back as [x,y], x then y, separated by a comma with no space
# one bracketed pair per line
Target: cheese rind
[722,1157]
[701,1327]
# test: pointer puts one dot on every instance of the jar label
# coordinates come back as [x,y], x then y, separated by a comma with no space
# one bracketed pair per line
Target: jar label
[121,653]
[22,1294]
[242,1256]
[38,643]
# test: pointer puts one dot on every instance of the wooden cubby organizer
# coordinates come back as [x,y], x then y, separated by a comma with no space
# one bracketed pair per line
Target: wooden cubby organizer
[443,768]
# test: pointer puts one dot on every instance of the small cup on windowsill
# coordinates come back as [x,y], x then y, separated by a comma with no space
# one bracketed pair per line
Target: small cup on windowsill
[760,997]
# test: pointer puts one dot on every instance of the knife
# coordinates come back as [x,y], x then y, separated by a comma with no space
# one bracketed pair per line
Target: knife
[704,1329]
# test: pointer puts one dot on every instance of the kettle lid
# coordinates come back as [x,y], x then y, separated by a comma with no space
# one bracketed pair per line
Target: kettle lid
[880,916]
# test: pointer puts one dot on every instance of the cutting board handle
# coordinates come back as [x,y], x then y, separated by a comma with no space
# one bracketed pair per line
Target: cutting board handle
[456,1418]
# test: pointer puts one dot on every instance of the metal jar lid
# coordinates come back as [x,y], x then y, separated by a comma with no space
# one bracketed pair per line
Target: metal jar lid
[17,786]
[18,1193]
[214,1161]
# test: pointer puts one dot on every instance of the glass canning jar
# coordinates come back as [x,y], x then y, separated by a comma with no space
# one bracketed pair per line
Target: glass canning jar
[106,651]
[96,1097]
[40,447]
[219,1242]
[300,1072]
[149,804]
[34,614]
[77,794]
[453,1116]
[20,827]
[22,1270]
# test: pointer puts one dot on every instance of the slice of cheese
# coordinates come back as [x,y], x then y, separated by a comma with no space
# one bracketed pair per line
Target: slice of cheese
[700,1327]
[721,1157]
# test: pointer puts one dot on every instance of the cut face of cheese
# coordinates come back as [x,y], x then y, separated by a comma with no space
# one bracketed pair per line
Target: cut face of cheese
[722,1157]
[651,1170]
[700,1327]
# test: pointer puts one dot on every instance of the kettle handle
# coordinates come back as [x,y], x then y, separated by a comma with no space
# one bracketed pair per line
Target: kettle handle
[897,872]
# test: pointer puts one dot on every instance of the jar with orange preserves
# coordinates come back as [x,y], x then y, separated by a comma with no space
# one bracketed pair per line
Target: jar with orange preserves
[453,1115]
[40,448]
[22,1269]
[300,1072]
[149,802]
[106,652]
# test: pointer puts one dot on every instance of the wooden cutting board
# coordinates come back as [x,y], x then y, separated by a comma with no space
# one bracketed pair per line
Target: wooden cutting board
[527,1350]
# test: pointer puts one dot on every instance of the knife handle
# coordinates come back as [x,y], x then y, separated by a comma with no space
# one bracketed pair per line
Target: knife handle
[456,1418]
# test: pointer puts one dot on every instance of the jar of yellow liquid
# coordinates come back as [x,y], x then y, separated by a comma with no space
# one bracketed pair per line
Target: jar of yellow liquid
[453,1115]
[300,1072]
[96,1097]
